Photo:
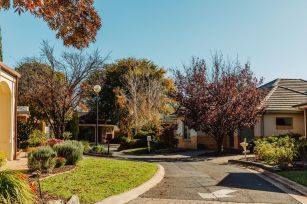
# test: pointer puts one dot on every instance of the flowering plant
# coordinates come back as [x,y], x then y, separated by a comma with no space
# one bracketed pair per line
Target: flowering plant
[33,186]
[60,161]
[22,176]
[25,177]
[52,142]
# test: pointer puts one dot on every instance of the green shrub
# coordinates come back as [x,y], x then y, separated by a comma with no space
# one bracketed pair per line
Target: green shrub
[43,158]
[293,135]
[142,134]
[71,150]
[60,161]
[276,150]
[37,138]
[86,146]
[15,189]
[128,143]
[302,150]
[2,158]
[67,135]
[98,149]
[119,139]
[23,135]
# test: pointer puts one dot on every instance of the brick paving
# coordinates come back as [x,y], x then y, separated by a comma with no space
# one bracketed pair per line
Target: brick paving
[19,164]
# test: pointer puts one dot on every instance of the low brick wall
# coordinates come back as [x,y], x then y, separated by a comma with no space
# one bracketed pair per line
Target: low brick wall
[187,144]
[207,141]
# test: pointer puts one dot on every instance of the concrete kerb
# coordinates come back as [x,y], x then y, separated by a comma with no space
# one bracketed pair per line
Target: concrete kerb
[256,164]
[136,192]
[269,172]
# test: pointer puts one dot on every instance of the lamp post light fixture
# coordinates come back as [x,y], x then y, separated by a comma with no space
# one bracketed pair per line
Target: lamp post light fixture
[97,89]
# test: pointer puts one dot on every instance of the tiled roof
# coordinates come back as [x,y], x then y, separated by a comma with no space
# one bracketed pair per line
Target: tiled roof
[283,94]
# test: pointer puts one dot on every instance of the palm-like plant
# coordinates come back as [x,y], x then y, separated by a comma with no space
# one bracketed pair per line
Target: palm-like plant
[15,189]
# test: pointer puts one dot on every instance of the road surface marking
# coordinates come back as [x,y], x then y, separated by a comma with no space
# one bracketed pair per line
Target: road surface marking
[223,193]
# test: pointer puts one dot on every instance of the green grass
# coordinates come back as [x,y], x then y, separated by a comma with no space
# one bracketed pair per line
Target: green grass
[144,150]
[297,176]
[95,179]
[137,151]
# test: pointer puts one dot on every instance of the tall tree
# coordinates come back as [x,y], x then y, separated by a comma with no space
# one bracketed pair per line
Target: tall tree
[218,100]
[135,92]
[1,51]
[31,71]
[56,90]
[75,21]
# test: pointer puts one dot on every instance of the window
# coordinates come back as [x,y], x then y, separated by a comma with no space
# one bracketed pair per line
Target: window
[284,123]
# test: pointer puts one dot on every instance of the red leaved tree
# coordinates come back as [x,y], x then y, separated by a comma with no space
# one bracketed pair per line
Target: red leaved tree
[51,86]
[218,100]
[75,21]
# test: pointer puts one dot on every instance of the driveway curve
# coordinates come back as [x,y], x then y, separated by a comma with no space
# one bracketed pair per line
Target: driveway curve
[201,181]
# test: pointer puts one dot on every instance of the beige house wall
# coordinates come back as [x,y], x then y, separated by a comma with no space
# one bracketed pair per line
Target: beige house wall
[208,141]
[269,124]
[183,143]
[7,114]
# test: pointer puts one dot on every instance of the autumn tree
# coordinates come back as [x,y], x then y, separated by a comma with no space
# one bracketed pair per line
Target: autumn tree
[75,21]
[55,90]
[135,92]
[218,100]
[31,72]
[143,98]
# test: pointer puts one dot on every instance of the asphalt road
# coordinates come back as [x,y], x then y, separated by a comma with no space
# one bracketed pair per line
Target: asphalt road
[184,180]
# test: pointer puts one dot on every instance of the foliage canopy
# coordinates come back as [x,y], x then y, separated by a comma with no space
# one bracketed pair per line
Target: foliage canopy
[75,21]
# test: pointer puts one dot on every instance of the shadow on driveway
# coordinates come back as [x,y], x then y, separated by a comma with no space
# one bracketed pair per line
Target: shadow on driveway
[248,181]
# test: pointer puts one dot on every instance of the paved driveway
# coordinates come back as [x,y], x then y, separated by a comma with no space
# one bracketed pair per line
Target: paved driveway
[206,182]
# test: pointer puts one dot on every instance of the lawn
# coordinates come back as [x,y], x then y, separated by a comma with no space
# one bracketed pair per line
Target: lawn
[144,150]
[95,179]
[136,151]
[297,176]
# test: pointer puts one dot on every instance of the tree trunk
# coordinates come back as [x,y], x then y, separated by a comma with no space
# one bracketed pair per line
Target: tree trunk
[57,132]
[59,129]
[219,142]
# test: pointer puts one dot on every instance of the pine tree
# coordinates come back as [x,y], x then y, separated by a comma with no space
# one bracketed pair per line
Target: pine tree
[1,54]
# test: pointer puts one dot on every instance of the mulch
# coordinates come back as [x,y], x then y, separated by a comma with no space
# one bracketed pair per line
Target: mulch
[45,196]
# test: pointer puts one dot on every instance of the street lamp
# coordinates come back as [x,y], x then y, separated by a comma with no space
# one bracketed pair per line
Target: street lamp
[96,89]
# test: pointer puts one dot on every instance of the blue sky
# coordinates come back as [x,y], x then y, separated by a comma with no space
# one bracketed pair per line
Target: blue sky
[271,34]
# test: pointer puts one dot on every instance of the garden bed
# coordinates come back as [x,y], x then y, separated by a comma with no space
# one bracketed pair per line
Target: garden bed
[252,161]
[95,179]
[55,171]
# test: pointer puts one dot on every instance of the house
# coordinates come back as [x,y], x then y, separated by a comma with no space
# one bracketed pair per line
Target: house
[191,139]
[88,129]
[8,110]
[23,113]
[285,112]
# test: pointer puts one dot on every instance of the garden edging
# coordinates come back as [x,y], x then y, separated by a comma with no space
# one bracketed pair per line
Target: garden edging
[134,193]
[56,174]
[256,164]
[269,172]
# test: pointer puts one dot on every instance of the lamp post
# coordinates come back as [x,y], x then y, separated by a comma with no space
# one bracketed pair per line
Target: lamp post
[97,89]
